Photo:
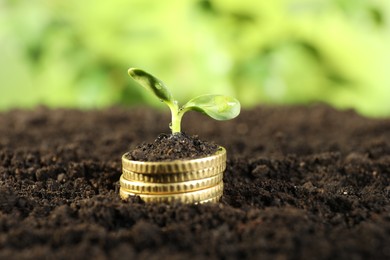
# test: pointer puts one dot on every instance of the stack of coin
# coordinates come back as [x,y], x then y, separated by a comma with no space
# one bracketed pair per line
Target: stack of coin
[187,181]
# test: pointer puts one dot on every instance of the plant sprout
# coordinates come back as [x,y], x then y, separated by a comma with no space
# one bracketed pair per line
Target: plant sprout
[218,107]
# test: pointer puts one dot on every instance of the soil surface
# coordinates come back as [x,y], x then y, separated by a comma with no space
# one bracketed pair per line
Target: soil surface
[168,147]
[301,183]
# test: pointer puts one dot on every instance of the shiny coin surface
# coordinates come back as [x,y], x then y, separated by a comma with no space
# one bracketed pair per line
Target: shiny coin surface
[203,195]
[176,166]
[168,188]
[174,177]
[211,200]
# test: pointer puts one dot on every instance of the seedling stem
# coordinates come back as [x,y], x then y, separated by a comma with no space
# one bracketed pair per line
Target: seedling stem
[215,106]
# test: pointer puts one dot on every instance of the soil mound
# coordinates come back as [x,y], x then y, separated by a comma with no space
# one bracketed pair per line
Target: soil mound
[169,147]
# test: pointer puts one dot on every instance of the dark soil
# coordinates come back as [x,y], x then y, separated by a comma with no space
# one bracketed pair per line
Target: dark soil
[301,183]
[168,147]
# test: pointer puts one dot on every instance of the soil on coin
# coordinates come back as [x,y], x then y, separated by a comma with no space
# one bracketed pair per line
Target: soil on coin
[168,147]
[301,183]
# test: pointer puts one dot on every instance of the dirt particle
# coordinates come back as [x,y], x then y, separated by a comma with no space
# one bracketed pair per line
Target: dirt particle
[260,170]
[61,177]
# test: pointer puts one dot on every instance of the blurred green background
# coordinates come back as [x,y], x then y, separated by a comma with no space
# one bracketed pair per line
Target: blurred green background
[76,53]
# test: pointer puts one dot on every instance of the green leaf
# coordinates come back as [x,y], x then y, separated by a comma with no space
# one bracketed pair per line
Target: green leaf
[152,83]
[216,106]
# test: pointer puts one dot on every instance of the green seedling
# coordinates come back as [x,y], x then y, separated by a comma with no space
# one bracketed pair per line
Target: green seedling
[215,106]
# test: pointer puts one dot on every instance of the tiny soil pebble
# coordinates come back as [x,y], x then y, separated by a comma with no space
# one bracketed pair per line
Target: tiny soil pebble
[168,147]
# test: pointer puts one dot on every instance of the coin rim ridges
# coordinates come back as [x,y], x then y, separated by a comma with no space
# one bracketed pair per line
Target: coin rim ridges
[175,177]
[185,197]
[210,200]
[169,188]
[176,166]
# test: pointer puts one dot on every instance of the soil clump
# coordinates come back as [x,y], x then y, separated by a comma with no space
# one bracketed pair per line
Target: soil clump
[169,147]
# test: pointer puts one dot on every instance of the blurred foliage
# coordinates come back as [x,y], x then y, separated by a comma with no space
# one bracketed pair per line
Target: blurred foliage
[76,53]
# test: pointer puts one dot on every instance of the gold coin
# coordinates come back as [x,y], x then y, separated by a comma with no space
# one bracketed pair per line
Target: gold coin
[176,166]
[186,197]
[211,200]
[167,188]
[174,177]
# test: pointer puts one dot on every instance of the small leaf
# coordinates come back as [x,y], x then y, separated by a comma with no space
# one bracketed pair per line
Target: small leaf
[216,106]
[152,83]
